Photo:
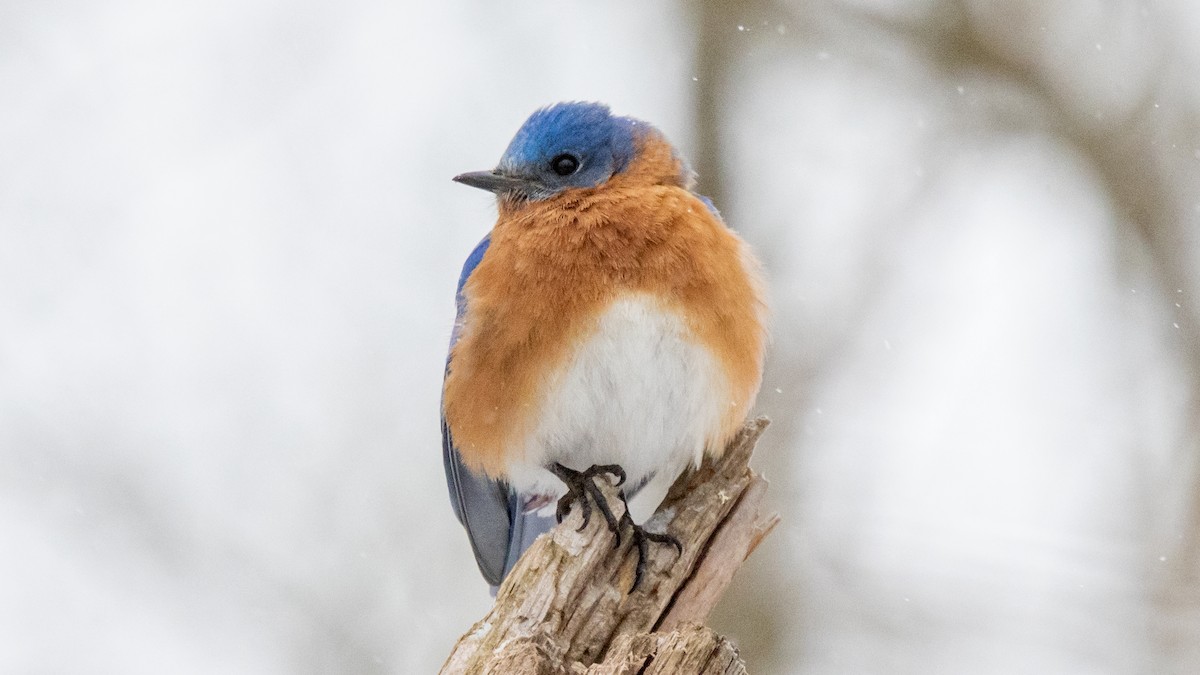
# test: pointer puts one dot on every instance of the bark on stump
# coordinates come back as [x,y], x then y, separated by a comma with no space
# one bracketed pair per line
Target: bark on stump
[565,610]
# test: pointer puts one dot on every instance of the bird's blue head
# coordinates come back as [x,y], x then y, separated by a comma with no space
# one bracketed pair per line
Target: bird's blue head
[567,145]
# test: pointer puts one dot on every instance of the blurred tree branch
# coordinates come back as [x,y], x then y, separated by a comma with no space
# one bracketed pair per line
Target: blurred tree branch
[1144,159]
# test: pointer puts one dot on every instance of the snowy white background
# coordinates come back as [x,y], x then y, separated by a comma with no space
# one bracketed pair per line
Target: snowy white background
[228,246]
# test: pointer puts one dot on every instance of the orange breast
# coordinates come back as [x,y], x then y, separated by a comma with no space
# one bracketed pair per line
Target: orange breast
[550,271]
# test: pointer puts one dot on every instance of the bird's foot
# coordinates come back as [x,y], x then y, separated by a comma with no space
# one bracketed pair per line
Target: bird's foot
[580,486]
[641,539]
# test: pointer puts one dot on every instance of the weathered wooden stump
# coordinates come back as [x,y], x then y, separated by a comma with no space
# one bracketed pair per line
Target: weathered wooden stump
[565,609]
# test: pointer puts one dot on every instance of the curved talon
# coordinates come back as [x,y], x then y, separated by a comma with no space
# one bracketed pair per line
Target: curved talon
[641,539]
[613,525]
[581,485]
[563,508]
[587,513]
[610,469]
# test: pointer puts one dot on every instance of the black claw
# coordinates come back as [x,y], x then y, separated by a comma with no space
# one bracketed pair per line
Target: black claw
[643,551]
[582,488]
[581,485]
[606,511]
[641,539]
[610,469]
[587,514]
[563,508]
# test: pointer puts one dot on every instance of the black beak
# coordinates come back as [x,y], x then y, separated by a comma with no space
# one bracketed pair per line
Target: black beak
[492,181]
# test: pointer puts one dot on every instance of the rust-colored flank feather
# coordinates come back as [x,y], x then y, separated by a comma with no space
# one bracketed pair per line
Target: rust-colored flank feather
[553,266]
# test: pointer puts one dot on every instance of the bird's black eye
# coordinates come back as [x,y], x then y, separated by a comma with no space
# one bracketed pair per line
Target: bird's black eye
[565,165]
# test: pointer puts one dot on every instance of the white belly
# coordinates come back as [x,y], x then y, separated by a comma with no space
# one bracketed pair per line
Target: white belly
[639,392]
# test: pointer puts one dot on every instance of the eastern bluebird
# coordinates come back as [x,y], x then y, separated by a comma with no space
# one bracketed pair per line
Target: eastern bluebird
[609,323]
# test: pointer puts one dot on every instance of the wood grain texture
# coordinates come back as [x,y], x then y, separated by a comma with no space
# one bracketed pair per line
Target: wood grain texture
[691,649]
[565,607]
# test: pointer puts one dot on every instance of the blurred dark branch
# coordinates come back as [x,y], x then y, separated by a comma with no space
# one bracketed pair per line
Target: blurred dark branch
[1124,157]
[1132,160]
[712,58]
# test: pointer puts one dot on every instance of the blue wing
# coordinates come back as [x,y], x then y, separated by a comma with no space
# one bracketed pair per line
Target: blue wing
[490,511]
[712,208]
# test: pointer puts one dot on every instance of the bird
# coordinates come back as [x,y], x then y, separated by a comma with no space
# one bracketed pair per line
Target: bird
[609,323]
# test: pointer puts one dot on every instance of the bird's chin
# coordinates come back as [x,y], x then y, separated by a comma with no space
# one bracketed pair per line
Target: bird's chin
[520,197]
[516,198]
[512,200]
